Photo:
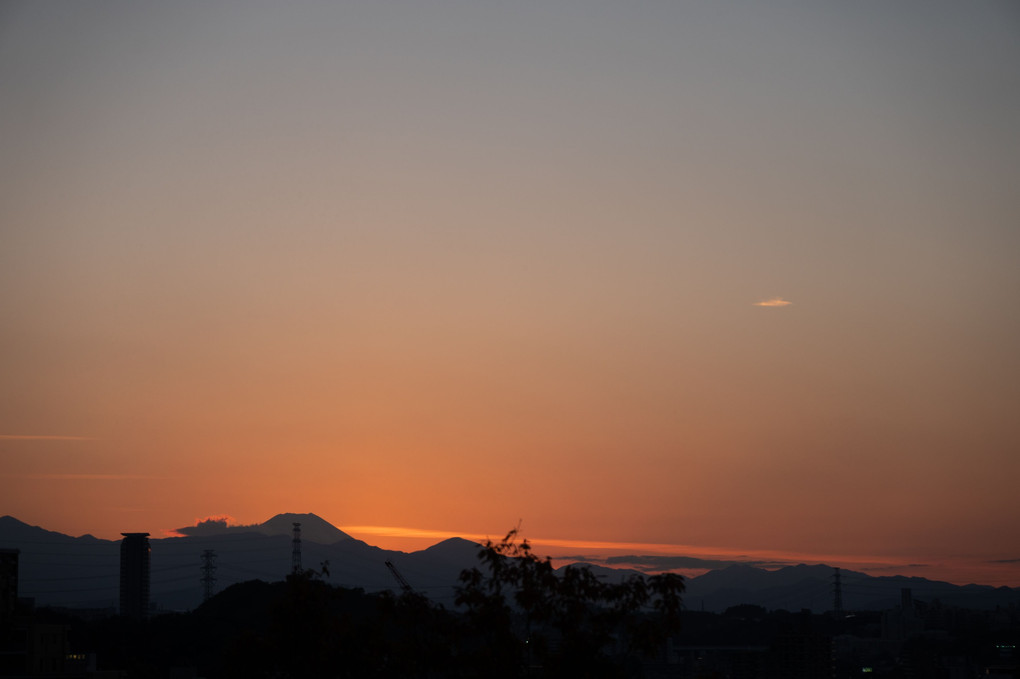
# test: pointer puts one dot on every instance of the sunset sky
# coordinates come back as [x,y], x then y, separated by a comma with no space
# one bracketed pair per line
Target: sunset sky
[716,278]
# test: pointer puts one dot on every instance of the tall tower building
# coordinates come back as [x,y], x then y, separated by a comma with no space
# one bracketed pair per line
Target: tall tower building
[134,575]
[8,583]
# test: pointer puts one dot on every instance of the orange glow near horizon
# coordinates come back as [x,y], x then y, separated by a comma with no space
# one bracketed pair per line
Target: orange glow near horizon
[564,551]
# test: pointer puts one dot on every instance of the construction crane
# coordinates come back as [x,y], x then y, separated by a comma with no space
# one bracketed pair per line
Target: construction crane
[404,584]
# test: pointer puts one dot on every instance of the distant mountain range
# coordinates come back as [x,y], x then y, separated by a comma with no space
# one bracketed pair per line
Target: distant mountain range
[56,569]
[83,572]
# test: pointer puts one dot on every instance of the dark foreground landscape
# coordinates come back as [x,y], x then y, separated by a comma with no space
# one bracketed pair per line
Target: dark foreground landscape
[505,613]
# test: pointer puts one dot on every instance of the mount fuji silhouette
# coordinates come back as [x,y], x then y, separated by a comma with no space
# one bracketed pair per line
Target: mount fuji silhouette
[313,528]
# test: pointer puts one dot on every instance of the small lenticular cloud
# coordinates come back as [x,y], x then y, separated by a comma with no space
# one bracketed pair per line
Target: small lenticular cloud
[775,301]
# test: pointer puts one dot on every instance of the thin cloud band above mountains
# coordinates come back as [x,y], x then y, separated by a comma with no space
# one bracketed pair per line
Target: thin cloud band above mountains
[312,528]
[212,526]
[669,562]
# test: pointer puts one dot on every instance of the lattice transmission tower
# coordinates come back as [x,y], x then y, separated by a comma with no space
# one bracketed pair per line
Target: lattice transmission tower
[208,573]
[295,554]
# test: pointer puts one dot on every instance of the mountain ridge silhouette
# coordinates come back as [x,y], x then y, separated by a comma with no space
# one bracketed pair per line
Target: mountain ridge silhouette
[57,569]
[313,528]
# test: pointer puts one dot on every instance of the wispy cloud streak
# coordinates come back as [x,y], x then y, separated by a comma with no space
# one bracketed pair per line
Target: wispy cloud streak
[404,532]
[86,477]
[43,437]
[660,562]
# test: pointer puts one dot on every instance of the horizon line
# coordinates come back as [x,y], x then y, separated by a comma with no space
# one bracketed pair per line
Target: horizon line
[662,549]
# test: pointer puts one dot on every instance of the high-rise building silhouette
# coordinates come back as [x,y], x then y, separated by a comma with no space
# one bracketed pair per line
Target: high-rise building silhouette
[837,595]
[8,583]
[134,575]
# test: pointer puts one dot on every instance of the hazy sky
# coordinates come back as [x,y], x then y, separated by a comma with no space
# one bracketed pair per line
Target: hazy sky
[450,265]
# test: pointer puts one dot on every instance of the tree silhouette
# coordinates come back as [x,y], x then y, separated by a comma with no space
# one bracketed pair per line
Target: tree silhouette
[526,616]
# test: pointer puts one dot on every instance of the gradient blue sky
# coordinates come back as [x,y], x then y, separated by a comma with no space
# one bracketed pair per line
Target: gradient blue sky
[447,265]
